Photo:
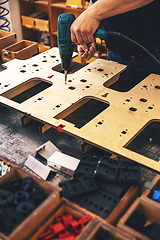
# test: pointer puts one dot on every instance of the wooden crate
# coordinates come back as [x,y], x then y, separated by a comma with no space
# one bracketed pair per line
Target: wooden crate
[150,211]
[28,226]
[113,232]
[123,205]
[64,207]
[6,39]
[21,50]
[147,194]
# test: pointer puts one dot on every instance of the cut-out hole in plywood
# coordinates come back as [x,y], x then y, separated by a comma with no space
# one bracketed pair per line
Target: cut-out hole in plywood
[75,66]
[84,111]
[27,90]
[147,143]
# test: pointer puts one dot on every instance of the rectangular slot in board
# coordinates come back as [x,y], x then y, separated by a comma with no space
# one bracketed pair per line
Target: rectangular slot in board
[83,111]
[75,66]
[147,142]
[27,90]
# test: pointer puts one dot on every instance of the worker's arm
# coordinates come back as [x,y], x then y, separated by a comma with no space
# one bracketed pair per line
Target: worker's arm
[85,25]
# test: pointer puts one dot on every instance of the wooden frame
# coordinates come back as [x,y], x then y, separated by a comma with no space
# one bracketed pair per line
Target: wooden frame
[113,129]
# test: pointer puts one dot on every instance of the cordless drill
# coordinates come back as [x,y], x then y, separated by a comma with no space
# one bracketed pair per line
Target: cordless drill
[65,45]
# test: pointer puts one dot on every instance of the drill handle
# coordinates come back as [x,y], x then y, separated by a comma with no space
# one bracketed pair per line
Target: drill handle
[100,33]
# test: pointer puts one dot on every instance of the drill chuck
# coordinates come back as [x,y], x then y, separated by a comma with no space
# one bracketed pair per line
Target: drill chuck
[66,60]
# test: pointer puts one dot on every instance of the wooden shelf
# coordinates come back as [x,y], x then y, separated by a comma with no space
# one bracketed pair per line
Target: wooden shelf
[33,27]
[35,2]
[63,6]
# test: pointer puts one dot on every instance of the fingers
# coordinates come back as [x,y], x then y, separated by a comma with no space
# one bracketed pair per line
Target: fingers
[86,52]
[83,29]
[80,37]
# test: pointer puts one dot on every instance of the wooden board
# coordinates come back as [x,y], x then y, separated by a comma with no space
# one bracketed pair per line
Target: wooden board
[112,129]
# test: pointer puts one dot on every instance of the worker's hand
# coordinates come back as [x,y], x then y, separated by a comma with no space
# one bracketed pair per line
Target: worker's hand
[86,51]
[83,28]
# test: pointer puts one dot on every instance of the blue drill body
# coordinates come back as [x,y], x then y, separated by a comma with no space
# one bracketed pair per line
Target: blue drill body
[65,44]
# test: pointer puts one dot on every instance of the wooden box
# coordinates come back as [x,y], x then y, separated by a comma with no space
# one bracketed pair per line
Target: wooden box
[28,226]
[6,39]
[77,4]
[110,231]
[122,206]
[64,207]
[21,50]
[148,210]
[148,193]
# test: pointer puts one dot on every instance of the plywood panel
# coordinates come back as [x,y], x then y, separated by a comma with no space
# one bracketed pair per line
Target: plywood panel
[113,129]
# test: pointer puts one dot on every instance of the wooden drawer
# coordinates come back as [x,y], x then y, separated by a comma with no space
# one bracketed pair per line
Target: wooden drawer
[35,23]
[28,22]
[21,50]
[6,39]
[41,25]
[29,224]
[144,208]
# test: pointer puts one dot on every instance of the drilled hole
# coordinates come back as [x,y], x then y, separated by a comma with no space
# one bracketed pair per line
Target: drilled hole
[100,69]
[83,80]
[35,65]
[71,88]
[23,71]
[124,132]
[143,100]
[157,87]
[133,109]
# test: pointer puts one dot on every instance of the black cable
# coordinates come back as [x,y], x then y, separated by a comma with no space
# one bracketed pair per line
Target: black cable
[3,13]
[138,44]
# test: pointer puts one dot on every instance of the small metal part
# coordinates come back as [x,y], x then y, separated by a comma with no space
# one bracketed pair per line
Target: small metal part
[7,53]
[65,72]
[4,168]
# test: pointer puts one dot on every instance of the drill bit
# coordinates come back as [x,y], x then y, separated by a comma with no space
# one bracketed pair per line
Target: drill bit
[65,76]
